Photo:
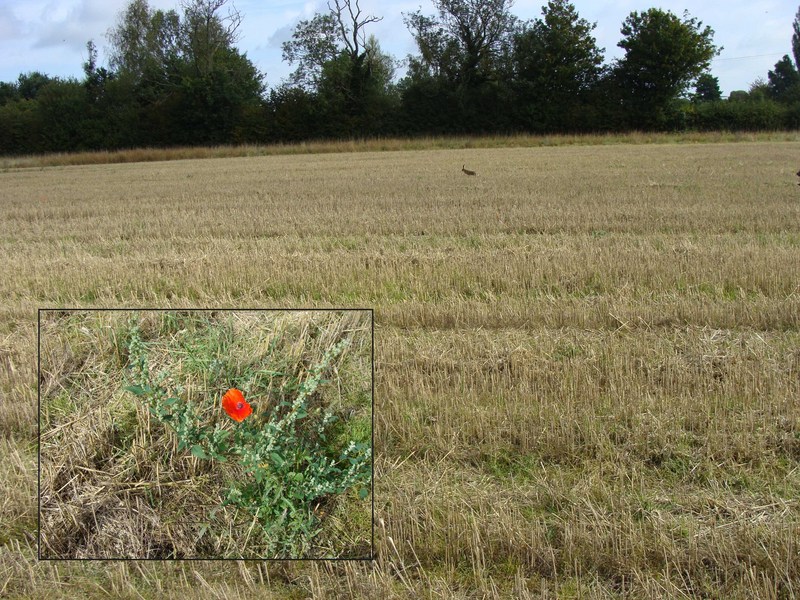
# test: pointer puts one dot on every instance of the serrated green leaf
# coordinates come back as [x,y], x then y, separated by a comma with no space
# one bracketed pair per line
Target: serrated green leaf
[136,389]
[276,458]
[363,493]
[220,458]
[170,401]
[198,452]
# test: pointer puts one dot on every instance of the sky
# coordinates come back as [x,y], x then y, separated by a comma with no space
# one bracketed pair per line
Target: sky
[50,36]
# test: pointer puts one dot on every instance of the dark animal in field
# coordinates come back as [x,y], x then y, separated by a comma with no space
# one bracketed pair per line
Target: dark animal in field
[467,171]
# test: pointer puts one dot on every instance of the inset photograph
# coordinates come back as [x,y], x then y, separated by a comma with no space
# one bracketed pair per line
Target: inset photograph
[205,434]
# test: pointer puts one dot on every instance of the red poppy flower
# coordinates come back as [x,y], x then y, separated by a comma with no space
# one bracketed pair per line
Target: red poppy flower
[235,405]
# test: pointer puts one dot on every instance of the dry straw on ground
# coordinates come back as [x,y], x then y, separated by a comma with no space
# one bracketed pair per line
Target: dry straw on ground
[587,364]
[380,145]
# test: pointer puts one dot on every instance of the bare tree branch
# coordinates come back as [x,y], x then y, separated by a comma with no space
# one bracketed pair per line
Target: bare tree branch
[209,31]
[351,25]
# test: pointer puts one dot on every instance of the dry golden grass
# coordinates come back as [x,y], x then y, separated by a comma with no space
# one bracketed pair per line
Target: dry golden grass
[384,144]
[587,357]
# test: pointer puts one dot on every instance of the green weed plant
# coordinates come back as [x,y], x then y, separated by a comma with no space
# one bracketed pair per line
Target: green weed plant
[287,449]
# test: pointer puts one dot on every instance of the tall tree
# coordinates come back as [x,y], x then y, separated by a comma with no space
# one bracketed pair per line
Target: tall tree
[314,43]
[96,77]
[784,82]
[556,62]
[350,22]
[664,54]
[758,90]
[465,39]
[707,89]
[324,37]
[190,82]
[462,64]
[156,47]
[207,33]
[357,98]
[30,84]
[346,69]
[145,45]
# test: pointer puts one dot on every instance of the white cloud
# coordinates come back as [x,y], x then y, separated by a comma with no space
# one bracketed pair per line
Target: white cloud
[10,26]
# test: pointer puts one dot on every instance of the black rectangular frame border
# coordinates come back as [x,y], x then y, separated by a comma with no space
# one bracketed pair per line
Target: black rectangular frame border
[372,558]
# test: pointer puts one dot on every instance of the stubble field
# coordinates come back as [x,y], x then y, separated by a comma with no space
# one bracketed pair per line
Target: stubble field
[587,358]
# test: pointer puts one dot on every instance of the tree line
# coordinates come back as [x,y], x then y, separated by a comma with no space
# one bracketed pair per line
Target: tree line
[176,77]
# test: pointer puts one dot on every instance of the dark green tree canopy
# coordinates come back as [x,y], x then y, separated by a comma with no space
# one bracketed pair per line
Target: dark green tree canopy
[145,45]
[207,33]
[555,62]
[30,84]
[759,89]
[313,43]
[439,52]
[784,82]
[738,96]
[348,77]
[459,81]
[664,54]
[464,41]
[157,48]
[322,39]
[558,53]
[189,81]
[707,89]
[8,93]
